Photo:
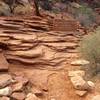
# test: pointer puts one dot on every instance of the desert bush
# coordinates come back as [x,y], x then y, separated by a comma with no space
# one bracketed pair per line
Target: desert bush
[23,10]
[84,14]
[90,50]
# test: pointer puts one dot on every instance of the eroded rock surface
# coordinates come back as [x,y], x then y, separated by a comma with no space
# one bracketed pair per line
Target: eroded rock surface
[30,41]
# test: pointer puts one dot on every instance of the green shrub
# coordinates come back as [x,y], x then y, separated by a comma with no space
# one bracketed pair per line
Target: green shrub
[90,50]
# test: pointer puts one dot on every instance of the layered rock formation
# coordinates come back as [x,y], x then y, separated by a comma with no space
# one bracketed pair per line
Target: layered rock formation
[30,41]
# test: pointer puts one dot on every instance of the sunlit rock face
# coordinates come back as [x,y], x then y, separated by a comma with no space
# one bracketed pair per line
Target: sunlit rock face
[31,42]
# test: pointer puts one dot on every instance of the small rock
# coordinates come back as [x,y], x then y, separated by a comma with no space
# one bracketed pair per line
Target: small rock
[3,63]
[76,73]
[80,62]
[97,97]
[31,96]
[80,93]
[79,83]
[5,79]
[91,84]
[4,98]
[18,96]
[36,91]
[17,87]
[5,91]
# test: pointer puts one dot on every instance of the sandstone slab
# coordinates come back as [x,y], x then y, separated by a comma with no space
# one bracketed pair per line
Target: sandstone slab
[80,62]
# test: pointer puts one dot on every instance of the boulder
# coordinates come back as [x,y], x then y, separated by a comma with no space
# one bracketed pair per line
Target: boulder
[6,91]
[18,96]
[96,97]
[80,62]
[76,73]
[80,93]
[5,79]
[31,96]
[79,83]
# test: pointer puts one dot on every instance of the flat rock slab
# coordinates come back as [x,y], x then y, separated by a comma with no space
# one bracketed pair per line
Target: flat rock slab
[3,63]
